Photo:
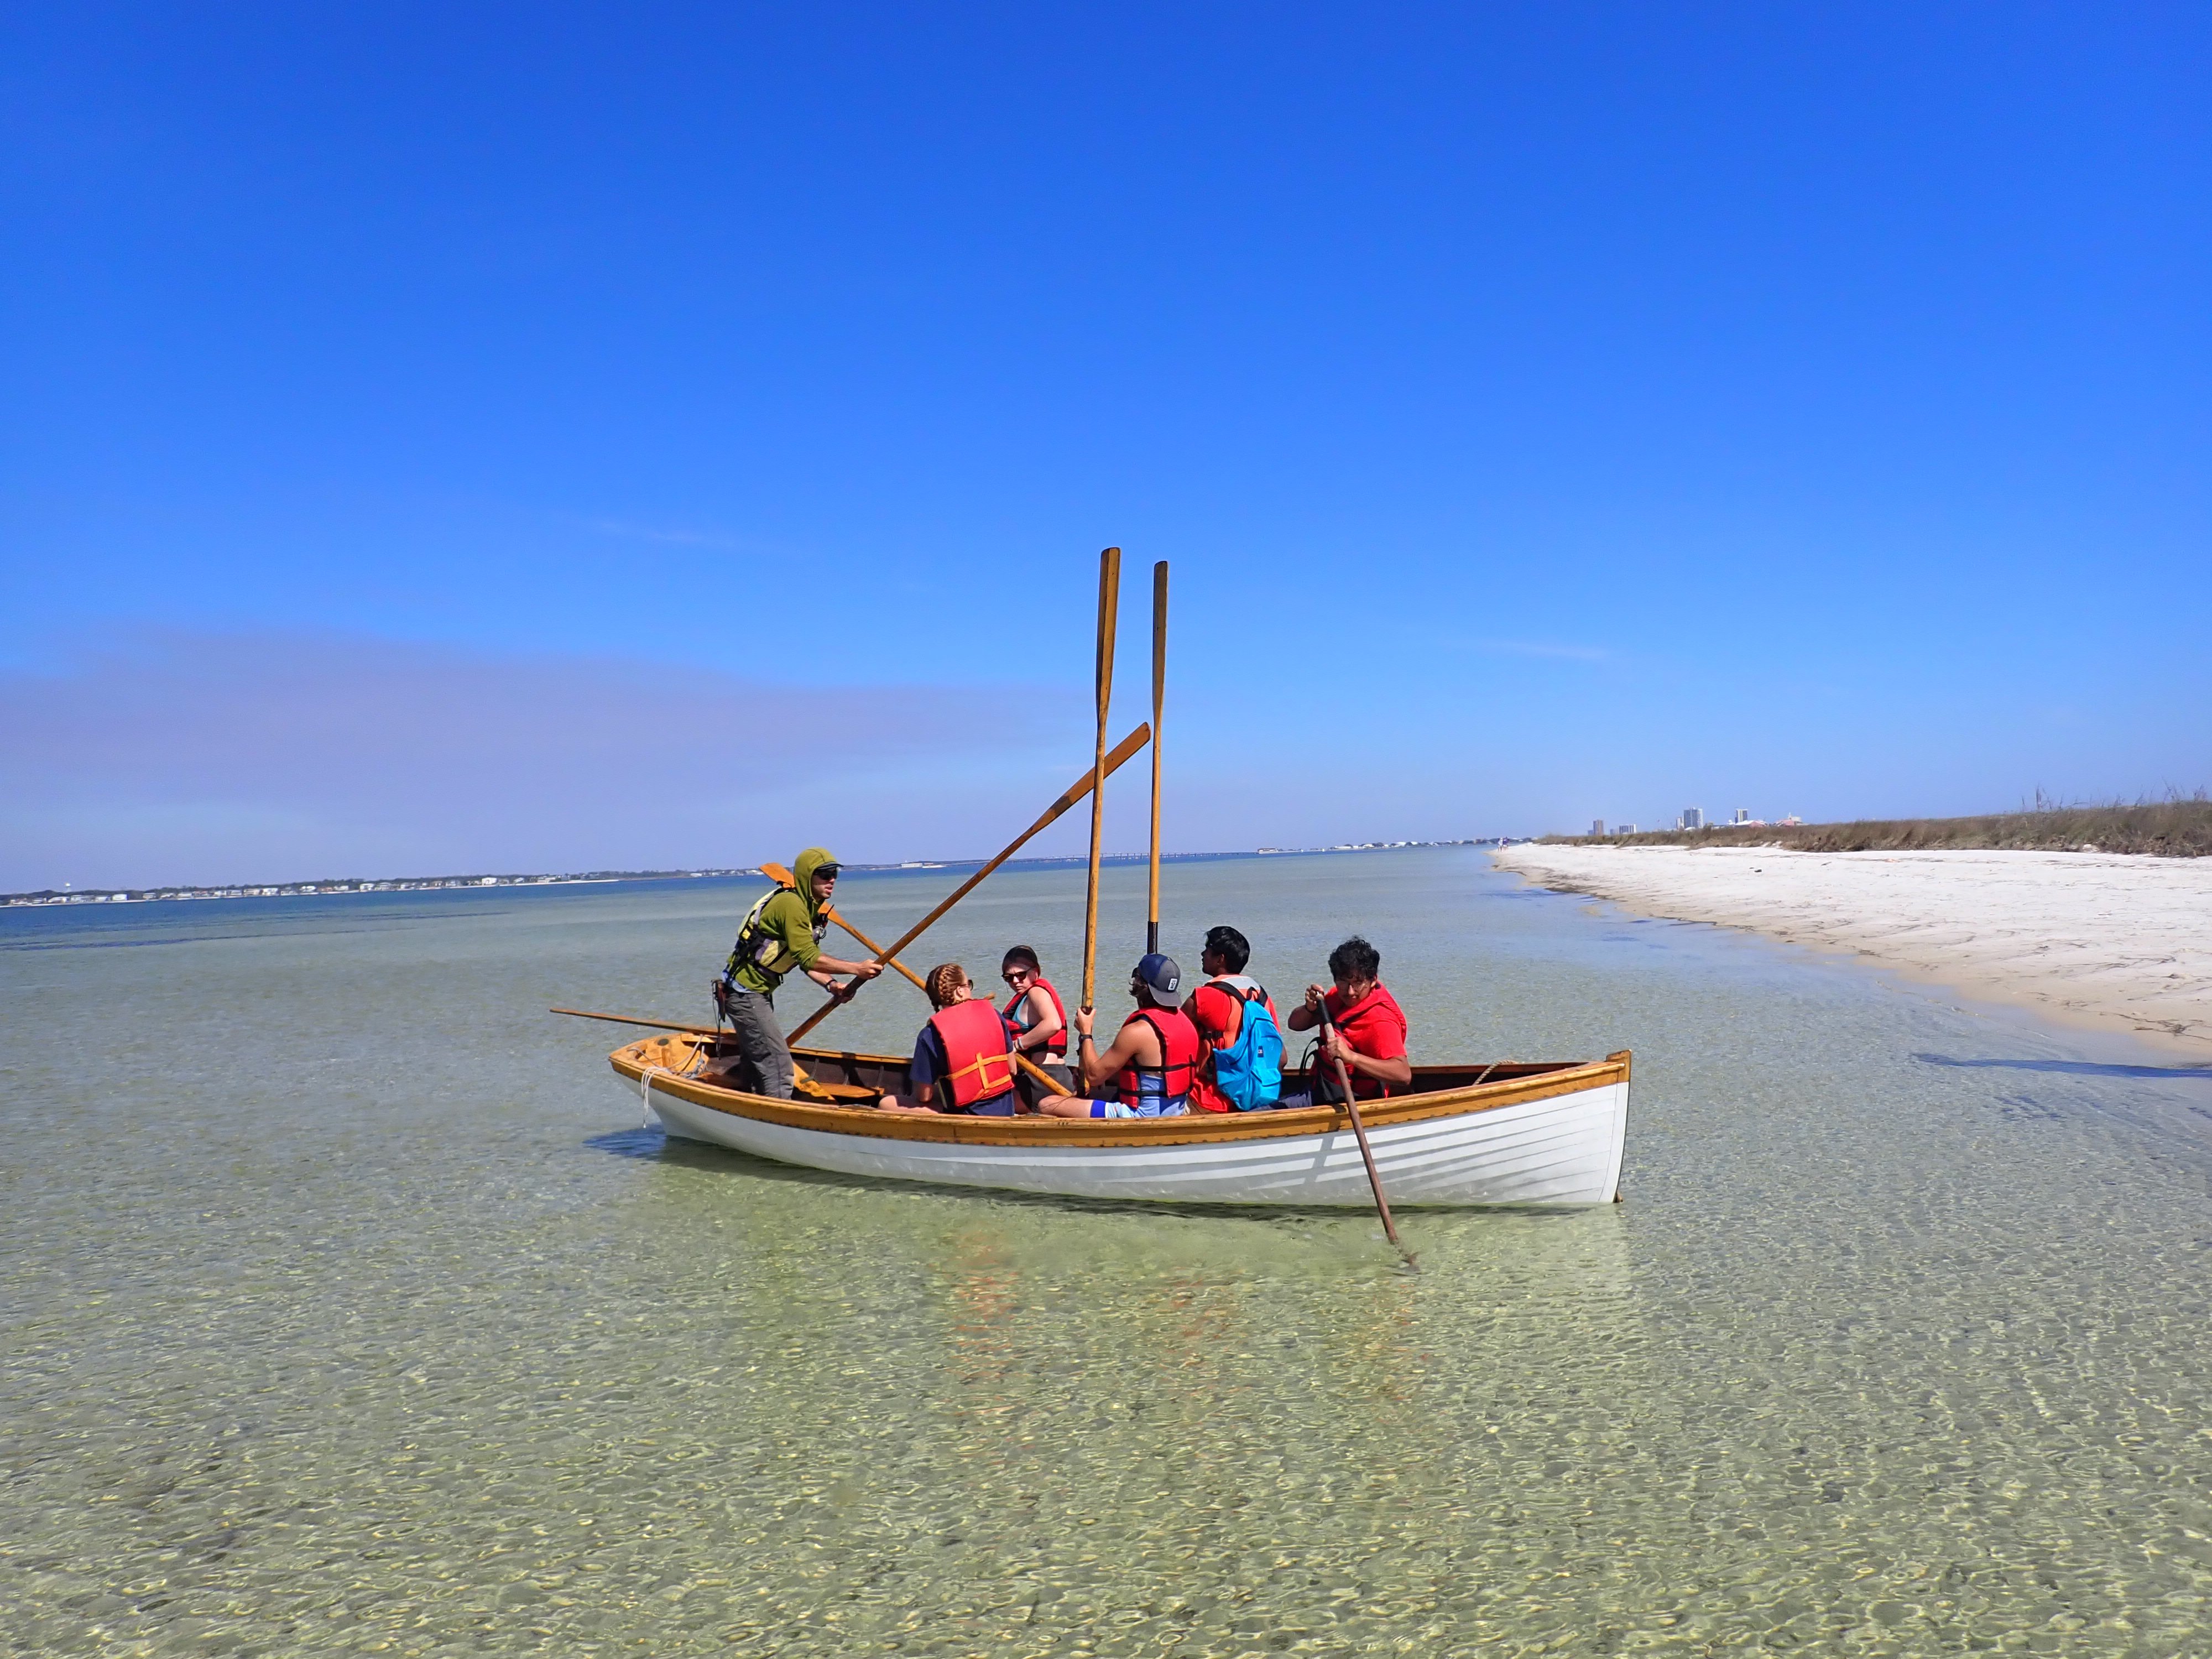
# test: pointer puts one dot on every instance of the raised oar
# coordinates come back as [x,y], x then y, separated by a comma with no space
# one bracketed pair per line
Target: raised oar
[777,873]
[823,1090]
[1109,604]
[1076,791]
[1159,717]
[1366,1152]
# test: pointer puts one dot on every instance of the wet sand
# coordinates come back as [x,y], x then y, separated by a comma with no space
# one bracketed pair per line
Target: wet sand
[2100,940]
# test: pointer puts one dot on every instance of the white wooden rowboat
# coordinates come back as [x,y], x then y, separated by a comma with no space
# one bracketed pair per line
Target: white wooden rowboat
[1532,1134]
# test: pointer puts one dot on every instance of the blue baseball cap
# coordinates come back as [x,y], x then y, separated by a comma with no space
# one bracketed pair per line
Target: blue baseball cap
[1162,979]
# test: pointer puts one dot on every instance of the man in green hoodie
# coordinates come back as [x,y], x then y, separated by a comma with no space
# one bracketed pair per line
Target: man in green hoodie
[781,932]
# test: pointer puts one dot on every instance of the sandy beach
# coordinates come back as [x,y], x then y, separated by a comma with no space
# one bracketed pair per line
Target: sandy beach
[2117,942]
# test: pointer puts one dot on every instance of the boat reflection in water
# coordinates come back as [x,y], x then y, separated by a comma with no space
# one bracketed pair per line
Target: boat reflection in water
[989,1410]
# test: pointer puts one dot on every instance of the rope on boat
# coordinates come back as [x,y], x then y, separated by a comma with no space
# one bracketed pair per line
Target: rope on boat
[644,1092]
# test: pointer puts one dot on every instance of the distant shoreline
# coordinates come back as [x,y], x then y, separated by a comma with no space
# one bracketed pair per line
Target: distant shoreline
[2177,828]
[483,883]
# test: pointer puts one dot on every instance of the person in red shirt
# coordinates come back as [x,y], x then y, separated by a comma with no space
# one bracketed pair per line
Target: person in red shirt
[1216,1008]
[1369,1033]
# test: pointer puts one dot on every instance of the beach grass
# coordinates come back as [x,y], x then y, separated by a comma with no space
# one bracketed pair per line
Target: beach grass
[2178,827]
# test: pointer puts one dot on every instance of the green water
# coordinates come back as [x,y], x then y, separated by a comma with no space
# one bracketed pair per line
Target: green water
[348,1309]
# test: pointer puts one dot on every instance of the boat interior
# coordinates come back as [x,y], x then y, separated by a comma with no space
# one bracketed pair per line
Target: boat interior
[833,1074]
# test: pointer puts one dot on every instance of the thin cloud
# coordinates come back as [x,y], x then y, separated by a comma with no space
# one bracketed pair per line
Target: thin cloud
[1545,648]
[666,536]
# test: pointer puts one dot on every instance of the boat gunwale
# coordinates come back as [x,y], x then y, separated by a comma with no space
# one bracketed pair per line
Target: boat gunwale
[1027,1131]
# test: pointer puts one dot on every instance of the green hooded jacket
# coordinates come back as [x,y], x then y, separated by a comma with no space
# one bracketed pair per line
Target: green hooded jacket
[792,921]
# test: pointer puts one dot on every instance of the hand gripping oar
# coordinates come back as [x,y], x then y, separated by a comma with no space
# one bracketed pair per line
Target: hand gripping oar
[1122,751]
[814,1086]
[777,873]
[1366,1152]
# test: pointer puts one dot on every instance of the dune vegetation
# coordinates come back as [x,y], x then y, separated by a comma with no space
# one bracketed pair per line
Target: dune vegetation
[2178,827]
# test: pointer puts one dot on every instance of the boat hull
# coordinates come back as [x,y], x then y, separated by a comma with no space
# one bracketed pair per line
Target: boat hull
[1554,1140]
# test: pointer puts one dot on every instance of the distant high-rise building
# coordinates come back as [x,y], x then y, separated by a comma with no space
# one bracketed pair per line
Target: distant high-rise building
[1597,826]
[1624,829]
[1743,815]
[1693,817]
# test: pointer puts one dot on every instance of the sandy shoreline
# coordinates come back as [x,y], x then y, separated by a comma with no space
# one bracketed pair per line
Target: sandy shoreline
[2110,942]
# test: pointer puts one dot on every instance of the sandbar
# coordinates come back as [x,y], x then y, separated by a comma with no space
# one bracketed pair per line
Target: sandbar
[2115,942]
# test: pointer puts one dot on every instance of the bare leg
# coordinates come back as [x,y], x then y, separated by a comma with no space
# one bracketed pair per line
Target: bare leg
[904,1103]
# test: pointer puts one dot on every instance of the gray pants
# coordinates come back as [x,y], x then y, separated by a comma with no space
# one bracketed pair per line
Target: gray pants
[764,1057]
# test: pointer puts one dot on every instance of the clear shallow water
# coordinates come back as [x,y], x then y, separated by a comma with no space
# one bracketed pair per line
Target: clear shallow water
[347,1308]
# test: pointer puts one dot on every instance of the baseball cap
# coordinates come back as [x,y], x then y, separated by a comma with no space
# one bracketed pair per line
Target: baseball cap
[1162,979]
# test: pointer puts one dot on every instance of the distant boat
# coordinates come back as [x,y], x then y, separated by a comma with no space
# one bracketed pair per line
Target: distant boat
[1522,1133]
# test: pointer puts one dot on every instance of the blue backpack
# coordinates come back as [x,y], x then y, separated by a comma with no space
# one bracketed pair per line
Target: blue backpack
[1250,1071]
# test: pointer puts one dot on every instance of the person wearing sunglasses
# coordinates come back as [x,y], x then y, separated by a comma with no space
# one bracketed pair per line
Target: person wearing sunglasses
[1035,1012]
[781,932]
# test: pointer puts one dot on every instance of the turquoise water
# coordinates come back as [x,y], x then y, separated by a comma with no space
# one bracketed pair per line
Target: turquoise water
[349,1310]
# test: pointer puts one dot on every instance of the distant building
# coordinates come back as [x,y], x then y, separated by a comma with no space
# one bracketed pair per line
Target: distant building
[1743,815]
[1624,829]
[1693,817]
[1597,826]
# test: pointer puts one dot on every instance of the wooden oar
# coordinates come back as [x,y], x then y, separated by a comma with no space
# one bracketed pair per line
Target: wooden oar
[1366,1152]
[1122,751]
[777,873]
[1109,604]
[1159,713]
[629,1019]
[799,1078]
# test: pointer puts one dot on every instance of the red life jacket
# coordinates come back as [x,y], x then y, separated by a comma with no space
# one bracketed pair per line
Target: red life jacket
[1057,1047]
[978,1065]
[1167,1085]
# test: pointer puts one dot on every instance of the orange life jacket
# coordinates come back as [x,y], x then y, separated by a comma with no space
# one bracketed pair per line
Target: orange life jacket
[978,1062]
[1056,1048]
[1165,1089]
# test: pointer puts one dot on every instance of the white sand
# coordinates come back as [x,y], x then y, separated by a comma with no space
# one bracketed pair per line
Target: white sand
[2117,942]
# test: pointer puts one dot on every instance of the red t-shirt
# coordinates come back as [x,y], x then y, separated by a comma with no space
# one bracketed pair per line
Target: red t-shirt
[1374,1026]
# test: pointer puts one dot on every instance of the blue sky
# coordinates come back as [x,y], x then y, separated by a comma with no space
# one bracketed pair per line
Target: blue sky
[500,437]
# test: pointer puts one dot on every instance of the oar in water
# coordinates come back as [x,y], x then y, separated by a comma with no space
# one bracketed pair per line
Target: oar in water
[777,873]
[1122,750]
[799,1078]
[1366,1152]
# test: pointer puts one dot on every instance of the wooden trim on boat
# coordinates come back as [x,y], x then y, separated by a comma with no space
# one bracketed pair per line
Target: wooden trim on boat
[633,1061]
